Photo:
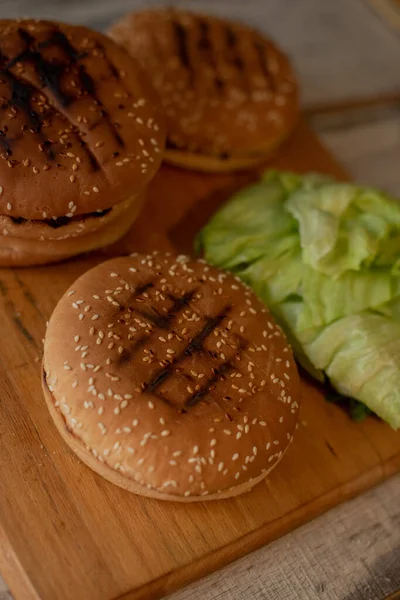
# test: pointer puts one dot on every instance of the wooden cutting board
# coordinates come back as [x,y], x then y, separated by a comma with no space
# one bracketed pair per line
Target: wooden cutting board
[66,534]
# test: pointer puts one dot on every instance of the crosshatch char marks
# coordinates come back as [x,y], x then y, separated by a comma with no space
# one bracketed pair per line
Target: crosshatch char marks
[172,380]
[80,126]
[228,92]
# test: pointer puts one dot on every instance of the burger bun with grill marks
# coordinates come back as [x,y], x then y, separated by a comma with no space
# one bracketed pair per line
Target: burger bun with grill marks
[229,94]
[170,378]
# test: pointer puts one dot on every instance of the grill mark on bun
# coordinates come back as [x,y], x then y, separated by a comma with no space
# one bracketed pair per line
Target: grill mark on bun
[51,74]
[219,372]
[110,65]
[181,38]
[21,94]
[94,163]
[163,322]
[143,288]
[204,42]
[194,346]
[218,375]
[6,143]
[263,62]
[128,354]
[207,52]
[234,50]
[231,38]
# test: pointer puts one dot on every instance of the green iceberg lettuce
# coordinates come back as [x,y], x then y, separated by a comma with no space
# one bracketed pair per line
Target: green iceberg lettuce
[325,257]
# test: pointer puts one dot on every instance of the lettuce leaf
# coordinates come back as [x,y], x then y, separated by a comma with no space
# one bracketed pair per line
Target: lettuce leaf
[325,257]
[361,356]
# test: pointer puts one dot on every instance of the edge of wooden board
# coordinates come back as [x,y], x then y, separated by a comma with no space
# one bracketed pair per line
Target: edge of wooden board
[22,588]
[171,582]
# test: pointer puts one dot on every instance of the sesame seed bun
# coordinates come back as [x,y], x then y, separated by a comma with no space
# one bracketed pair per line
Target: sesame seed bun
[81,127]
[30,243]
[229,94]
[170,378]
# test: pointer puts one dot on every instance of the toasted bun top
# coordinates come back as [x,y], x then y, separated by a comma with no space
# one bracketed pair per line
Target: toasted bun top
[80,127]
[172,373]
[224,87]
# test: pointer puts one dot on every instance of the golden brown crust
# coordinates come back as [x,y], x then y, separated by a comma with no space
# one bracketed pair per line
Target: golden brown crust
[212,164]
[228,92]
[128,484]
[81,128]
[38,243]
[172,374]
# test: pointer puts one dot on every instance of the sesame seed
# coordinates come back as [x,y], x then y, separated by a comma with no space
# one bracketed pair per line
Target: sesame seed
[150,404]
[165,433]
[235,456]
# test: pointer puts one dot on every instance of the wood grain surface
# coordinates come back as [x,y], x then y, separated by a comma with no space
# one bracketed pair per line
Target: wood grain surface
[353,552]
[66,533]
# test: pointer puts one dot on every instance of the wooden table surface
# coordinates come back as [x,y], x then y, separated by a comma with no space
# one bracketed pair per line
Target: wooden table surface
[343,52]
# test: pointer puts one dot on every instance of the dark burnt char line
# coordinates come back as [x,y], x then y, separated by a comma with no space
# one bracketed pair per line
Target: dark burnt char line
[182,44]
[224,368]
[206,49]
[207,52]
[219,373]
[163,322]
[263,61]
[50,75]
[194,346]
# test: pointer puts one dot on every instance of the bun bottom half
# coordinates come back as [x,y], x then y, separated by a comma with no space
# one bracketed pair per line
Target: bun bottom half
[113,476]
[239,162]
[25,251]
